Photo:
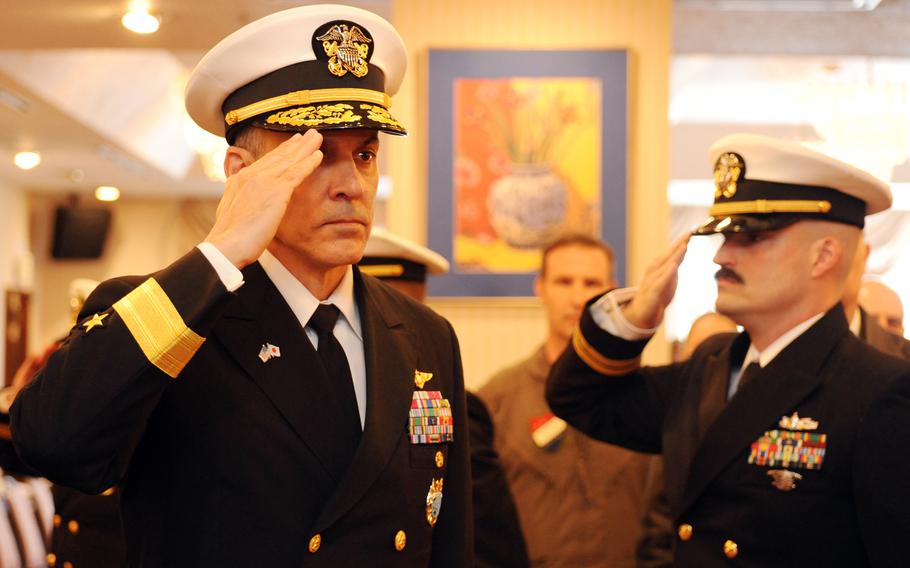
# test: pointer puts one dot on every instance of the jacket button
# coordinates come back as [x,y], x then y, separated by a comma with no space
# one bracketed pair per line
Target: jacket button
[73,526]
[67,565]
[731,549]
[440,460]
[315,542]
[57,520]
[684,532]
[401,540]
[109,491]
[51,559]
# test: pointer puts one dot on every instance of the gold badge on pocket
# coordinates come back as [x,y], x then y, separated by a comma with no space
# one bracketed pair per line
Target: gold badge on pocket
[784,479]
[434,501]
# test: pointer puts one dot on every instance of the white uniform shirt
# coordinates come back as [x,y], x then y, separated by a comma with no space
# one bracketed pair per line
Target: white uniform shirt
[607,314]
[347,330]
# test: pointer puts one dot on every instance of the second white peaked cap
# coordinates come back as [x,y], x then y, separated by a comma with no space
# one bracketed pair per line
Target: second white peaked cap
[386,245]
[271,44]
[762,183]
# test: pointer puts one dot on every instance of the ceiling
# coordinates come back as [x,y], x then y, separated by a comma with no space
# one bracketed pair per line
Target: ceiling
[69,74]
[68,88]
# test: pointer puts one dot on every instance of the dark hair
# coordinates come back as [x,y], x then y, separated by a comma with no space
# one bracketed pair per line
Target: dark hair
[576,239]
[248,139]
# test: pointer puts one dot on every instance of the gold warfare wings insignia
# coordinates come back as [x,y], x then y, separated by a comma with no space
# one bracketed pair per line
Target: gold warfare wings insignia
[421,378]
[795,422]
[347,49]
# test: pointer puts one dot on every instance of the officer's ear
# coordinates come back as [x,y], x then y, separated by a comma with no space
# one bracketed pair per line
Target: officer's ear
[235,159]
[827,254]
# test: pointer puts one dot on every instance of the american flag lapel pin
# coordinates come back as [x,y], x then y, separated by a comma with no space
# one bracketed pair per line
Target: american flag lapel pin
[269,351]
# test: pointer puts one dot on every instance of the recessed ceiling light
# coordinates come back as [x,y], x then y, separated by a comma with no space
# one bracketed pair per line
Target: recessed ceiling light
[107,193]
[27,160]
[139,20]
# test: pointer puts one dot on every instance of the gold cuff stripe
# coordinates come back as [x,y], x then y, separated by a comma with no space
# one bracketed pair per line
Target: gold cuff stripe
[299,98]
[383,270]
[158,328]
[769,206]
[601,364]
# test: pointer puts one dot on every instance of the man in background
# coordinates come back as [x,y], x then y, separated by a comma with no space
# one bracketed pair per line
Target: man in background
[874,311]
[401,263]
[705,326]
[578,500]
[883,305]
[498,541]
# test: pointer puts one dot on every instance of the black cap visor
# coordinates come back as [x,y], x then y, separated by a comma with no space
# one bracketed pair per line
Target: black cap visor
[343,115]
[746,223]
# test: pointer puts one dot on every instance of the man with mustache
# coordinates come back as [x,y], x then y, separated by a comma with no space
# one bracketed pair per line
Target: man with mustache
[655,548]
[262,402]
[783,445]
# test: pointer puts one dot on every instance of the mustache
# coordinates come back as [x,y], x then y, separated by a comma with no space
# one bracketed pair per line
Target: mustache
[728,274]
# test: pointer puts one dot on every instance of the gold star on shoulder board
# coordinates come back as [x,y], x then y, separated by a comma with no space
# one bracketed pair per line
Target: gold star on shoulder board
[94,322]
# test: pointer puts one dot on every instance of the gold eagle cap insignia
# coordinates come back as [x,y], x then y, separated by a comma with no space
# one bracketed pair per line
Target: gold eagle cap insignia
[421,378]
[347,50]
[727,171]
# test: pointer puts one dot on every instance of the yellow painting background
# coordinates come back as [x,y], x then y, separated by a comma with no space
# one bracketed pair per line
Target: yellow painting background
[536,120]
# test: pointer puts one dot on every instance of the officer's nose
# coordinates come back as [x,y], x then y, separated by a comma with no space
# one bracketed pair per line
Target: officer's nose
[346,180]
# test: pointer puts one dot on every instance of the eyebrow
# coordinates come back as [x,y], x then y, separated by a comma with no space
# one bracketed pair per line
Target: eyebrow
[369,138]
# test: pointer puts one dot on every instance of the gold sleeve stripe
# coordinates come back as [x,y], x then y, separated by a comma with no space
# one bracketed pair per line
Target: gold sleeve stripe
[769,206]
[601,364]
[302,98]
[158,328]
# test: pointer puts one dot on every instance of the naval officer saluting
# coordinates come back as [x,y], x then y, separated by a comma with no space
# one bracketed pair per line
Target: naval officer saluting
[261,401]
[784,445]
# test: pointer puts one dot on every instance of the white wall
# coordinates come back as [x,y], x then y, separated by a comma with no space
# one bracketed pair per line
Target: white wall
[146,235]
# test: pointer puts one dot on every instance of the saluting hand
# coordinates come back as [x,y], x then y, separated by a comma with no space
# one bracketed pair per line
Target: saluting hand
[256,197]
[654,294]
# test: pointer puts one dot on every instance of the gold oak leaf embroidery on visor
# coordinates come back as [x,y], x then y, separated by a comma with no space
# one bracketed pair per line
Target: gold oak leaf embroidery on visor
[157,327]
[380,115]
[315,115]
[601,364]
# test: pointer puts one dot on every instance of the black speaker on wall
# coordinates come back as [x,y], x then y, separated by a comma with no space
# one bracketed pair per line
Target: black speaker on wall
[80,232]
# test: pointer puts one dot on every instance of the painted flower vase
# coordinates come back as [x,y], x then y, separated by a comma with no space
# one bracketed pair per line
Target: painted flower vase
[527,206]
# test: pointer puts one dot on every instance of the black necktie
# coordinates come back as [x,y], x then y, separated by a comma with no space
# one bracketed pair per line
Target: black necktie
[338,373]
[748,373]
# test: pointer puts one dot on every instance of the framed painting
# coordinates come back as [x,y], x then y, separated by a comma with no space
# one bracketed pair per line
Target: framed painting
[523,146]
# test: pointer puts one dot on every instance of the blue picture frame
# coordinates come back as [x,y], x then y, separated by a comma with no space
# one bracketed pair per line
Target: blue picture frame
[609,67]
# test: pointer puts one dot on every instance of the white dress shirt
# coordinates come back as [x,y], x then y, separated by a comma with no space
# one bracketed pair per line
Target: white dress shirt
[607,314]
[347,330]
